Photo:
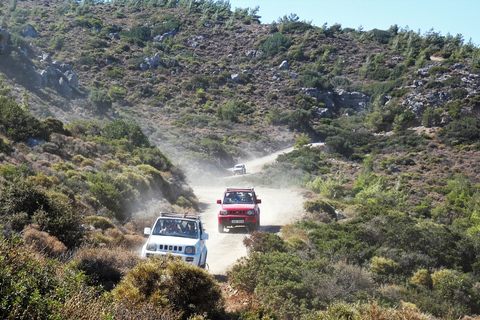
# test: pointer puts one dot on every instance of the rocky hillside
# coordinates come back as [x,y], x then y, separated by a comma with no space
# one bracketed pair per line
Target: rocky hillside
[212,86]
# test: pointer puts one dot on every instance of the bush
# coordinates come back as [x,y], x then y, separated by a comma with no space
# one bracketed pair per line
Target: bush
[5,147]
[457,132]
[116,93]
[383,265]
[120,129]
[263,242]
[104,266]
[114,74]
[422,277]
[276,43]
[42,242]
[320,206]
[172,282]
[23,203]
[100,100]
[17,124]
[98,222]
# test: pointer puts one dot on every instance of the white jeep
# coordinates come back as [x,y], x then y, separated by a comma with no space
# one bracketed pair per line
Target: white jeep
[179,235]
[239,169]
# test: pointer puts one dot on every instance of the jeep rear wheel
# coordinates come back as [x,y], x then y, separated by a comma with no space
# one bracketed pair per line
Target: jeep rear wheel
[220,228]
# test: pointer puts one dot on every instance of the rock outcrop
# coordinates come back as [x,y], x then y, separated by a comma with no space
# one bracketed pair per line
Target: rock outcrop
[338,99]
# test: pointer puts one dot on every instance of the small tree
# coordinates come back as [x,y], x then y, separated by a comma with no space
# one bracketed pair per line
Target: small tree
[302,140]
[99,100]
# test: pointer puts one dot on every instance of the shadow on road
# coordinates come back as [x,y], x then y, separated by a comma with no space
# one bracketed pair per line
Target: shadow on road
[271,229]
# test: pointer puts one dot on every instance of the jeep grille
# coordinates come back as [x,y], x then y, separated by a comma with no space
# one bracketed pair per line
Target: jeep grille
[169,248]
[237,212]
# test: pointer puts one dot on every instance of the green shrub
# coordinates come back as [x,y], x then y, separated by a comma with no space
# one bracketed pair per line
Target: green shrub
[99,99]
[117,93]
[5,147]
[461,131]
[17,124]
[120,129]
[115,74]
[141,33]
[438,70]
[422,277]
[23,203]
[171,282]
[320,206]
[306,158]
[264,242]
[383,265]
[98,222]
[276,43]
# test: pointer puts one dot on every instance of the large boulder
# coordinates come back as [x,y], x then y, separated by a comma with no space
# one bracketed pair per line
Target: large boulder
[30,32]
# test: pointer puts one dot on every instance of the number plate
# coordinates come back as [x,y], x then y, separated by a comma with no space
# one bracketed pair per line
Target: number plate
[238,221]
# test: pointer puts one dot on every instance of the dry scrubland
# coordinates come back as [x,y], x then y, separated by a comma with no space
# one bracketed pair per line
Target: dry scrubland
[108,112]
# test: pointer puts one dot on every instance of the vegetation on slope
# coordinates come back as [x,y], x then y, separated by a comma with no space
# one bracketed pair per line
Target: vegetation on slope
[207,80]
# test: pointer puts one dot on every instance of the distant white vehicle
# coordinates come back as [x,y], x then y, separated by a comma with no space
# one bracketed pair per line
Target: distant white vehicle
[179,235]
[239,169]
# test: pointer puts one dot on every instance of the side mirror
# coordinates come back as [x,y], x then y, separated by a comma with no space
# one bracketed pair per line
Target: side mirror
[219,201]
[147,231]
[205,236]
[259,201]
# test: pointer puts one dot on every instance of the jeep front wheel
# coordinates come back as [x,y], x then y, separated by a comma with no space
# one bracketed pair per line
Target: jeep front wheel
[220,228]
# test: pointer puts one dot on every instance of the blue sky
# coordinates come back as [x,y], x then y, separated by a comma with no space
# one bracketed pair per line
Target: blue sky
[444,16]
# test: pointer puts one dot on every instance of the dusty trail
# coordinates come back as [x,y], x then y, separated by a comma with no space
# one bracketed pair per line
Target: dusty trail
[278,207]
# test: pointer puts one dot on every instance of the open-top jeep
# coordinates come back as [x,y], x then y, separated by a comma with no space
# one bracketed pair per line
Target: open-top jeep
[239,208]
[177,234]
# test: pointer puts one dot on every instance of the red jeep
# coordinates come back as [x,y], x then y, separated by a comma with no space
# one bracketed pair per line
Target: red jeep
[239,208]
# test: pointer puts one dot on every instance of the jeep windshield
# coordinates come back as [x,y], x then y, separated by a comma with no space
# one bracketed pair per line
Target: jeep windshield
[176,227]
[238,197]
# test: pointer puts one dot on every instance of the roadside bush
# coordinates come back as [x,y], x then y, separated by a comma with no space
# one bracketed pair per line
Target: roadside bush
[98,222]
[276,279]
[42,242]
[23,203]
[259,241]
[33,288]
[104,266]
[171,282]
[309,159]
[320,206]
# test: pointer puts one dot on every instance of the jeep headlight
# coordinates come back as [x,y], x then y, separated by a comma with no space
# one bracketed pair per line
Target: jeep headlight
[223,212]
[190,250]
[152,246]
[250,212]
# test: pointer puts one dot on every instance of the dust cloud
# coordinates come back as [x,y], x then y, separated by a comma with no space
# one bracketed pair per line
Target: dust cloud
[278,207]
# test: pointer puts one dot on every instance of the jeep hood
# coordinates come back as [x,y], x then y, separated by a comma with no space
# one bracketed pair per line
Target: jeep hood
[173,240]
[238,206]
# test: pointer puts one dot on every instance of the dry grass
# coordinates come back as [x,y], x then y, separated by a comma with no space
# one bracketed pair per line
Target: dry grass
[105,265]
[42,242]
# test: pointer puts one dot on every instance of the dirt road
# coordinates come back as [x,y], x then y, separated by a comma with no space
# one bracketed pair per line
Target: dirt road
[278,207]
